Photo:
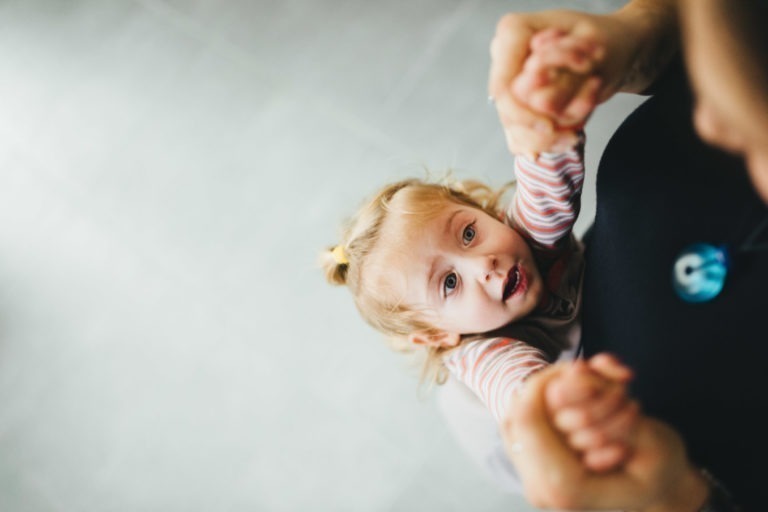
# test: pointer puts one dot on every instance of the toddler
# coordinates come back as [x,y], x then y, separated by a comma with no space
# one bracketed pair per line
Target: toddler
[489,294]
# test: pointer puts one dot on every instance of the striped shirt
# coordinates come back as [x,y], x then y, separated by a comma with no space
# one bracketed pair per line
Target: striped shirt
[544,209]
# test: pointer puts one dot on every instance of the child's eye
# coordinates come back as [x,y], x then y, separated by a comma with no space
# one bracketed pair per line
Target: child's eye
[450,283]
[469,234]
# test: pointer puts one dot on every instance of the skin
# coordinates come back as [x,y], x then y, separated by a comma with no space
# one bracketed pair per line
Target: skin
[590,408]
[730,113]
[455,271]
[656,477]
[625,52]
[731,108]
[590,405]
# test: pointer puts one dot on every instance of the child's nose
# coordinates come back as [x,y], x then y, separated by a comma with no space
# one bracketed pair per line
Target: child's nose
[486,267]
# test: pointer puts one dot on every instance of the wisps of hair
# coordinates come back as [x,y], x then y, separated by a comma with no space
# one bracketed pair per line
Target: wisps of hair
[346,262]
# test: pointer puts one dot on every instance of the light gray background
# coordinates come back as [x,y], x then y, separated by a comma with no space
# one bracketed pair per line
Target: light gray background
[169,171]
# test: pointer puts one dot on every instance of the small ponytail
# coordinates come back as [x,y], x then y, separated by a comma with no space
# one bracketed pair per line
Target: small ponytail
[413,202]
[335,264]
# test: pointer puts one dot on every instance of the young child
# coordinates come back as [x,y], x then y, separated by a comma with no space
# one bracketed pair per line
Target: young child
[489,294]
[559,78]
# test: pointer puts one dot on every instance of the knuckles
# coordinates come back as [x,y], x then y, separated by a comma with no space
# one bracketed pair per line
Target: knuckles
[508,26]
[509,23]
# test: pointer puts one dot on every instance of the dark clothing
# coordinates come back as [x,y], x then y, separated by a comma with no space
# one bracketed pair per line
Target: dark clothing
[703,368]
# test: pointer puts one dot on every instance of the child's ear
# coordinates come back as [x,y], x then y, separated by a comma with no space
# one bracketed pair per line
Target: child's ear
[435,338]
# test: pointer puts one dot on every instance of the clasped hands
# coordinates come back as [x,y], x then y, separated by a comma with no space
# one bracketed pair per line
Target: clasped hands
[580,442]
[576,437]
[549,70]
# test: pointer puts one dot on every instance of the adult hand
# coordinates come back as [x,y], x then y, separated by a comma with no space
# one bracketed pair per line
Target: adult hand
[629,47]
[658,476]
[589,404]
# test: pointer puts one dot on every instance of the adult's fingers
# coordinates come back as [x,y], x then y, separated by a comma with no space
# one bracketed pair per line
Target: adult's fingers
[533,76]
[528,426]
[526,133]
[549,469]
[509,48]
[512,113]
[555,477]
[522,141]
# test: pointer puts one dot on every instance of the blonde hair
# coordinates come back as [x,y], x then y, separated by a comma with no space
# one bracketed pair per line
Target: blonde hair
[343,264]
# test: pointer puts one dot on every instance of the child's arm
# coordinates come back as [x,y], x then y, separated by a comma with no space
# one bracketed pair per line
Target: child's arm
[548,198]
[588,402]
[495,369]
[590,406]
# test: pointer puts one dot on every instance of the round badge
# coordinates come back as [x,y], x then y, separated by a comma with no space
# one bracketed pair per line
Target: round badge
[699,272]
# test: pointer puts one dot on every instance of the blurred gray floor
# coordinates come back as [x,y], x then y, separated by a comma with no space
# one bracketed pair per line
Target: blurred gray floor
[169,170]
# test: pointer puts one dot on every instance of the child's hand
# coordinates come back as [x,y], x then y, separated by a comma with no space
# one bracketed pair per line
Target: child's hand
[590,406]
[559,79]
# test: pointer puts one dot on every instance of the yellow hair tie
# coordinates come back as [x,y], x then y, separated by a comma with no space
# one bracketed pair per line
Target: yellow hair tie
[339,256]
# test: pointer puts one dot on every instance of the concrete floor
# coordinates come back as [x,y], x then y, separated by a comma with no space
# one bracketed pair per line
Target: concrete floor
[169,170]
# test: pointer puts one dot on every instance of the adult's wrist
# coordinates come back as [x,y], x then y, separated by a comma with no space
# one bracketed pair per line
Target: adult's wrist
[689,493]
[652,28]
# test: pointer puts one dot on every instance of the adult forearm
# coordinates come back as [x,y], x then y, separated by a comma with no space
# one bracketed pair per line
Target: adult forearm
[686,494]
[654,29]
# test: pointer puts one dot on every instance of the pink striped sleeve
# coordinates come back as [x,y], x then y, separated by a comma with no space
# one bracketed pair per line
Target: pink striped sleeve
[548,195]
[495,369]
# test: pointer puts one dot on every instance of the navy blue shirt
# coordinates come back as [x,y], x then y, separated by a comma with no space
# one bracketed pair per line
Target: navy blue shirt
[700,367]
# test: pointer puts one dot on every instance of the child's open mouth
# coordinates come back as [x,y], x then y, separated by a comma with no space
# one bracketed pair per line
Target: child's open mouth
[514,280]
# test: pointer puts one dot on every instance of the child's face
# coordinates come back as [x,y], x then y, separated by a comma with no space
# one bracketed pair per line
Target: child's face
[468,272]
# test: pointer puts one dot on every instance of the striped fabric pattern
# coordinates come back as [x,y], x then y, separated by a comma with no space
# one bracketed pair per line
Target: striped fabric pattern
[546,205]
[548,195]
[495,369]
